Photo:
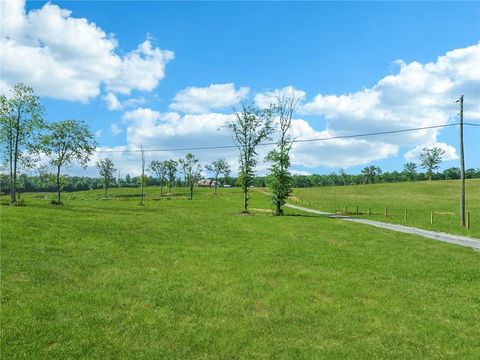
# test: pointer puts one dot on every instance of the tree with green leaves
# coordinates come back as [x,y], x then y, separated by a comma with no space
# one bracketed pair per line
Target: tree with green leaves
[171,171]
[107,172]
[370,174]
[430,158]
[67,142]
[158,169]
[192,171]
[141,182]
[410,171]
[250,127]
[344,176]
[280,179]
[217,168]
[21,118]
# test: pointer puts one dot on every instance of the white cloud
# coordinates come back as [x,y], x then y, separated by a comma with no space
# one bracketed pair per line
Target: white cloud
[418,95]
[155,130]
[114,129]
[300,172]
[414,154]
[336,152]
[71,58]
[112,102]
[141,69]
[206,99]
[264,99]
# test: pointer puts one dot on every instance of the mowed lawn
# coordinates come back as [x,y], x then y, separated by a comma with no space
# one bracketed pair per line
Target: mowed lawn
[179,279]
[418,198]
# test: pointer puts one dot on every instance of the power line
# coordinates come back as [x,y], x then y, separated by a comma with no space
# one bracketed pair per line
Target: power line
[294,141]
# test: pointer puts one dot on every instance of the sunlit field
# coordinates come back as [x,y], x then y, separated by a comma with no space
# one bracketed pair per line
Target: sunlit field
[418,198]
[183,279]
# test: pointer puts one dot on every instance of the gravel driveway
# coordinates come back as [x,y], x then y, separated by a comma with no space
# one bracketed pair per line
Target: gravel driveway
[440,236]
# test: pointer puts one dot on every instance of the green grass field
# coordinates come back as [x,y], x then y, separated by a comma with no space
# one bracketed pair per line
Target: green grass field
[179,279]
[418,198]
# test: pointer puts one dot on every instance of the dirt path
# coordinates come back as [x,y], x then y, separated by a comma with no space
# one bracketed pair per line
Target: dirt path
[440,236]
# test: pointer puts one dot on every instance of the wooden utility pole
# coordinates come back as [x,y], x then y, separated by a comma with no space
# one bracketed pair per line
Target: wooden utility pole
[462,167]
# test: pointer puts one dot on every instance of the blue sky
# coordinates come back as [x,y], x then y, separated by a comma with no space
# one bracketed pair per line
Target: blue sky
[318,48]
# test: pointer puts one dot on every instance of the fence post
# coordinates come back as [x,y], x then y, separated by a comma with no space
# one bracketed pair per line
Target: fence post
[357,209]
[432,215]
[369,211]
[468,220]
[386,213]
[346,209]
[406,215]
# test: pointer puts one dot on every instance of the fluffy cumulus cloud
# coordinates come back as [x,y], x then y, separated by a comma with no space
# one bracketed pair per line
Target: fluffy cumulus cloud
[172,130]
[179,132]
[334,152]
[206,99]
[419,95]
[112,102]
[264,99]
[73,58]
[414,154]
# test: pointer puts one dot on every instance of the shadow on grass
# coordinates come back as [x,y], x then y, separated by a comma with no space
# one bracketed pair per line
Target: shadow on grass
[304,215]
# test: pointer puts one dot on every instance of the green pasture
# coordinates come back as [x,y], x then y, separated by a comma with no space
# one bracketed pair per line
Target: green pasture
[176,279]
[420,199]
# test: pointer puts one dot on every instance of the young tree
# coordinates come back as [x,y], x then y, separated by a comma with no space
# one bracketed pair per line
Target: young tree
[143,178]
[107,172]
[370,174]
[141,181]
[410,171]
[343,176]
[21,117]
[250,127]
[67,142]
[218,167]
[171,170]
[430,158]
[159,170]
[191,171]
[280,179]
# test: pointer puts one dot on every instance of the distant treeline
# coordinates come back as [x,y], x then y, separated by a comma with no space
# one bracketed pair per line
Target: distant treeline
[28,183]
[335,179]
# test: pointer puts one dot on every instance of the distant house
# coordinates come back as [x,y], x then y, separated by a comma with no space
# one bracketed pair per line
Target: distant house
[207,183]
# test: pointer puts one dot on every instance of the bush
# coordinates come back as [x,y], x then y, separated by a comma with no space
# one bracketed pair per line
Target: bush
[19,202]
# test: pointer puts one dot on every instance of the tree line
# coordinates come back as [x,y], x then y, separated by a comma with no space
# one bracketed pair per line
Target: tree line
[27,138]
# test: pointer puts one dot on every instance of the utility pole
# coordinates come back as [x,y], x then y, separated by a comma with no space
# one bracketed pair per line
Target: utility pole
[462,167]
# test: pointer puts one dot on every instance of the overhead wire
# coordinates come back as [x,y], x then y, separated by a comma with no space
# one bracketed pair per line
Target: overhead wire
[387,132]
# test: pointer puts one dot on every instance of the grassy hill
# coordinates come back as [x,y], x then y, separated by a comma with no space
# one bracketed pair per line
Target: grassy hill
[183,279]
[418,198]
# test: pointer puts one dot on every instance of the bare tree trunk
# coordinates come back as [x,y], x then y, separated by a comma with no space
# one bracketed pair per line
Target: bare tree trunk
[105,188]
[191,191]
[11,170]
[245,199]
[15,161]
[58,184]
